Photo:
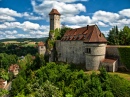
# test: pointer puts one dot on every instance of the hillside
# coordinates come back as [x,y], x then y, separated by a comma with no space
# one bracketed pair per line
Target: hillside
[25,39]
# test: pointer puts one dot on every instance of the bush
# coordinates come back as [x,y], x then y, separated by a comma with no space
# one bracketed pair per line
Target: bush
[125,55]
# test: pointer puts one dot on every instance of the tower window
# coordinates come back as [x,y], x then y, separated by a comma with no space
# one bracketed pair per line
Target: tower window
[88,50]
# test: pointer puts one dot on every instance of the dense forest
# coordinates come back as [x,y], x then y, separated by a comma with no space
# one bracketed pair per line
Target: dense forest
[18,49]
[40,79]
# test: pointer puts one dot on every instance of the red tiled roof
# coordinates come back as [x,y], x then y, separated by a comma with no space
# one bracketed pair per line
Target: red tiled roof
[88,34]
[13,67]
[108,60]
[2,83]
[41,43]
[53,12]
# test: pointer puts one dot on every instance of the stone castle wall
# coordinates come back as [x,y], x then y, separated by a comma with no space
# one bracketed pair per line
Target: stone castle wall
[112,51]
[71,51]
[75,52]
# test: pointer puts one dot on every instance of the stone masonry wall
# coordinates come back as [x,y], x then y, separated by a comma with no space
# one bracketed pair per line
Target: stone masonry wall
[94,57]
[71,51]
[112,51]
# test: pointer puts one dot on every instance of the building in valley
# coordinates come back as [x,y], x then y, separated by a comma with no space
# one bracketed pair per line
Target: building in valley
[41,48]
[14,68]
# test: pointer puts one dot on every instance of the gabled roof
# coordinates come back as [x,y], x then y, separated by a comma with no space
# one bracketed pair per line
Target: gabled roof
[53,12]
[41,43]
[88,34]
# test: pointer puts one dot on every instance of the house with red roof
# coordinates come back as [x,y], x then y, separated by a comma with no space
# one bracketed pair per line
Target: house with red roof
[14,68]
[3,83]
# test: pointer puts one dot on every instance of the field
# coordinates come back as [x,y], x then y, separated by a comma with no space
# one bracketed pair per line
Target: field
[125,75]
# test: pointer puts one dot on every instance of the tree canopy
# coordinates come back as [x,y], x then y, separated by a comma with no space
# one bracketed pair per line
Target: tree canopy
[116,37]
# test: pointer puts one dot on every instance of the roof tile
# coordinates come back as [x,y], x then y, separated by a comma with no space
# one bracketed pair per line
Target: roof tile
[53,12]
[88,34]
[41,43]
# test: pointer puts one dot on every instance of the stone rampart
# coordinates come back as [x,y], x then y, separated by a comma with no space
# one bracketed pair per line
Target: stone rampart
[71,51]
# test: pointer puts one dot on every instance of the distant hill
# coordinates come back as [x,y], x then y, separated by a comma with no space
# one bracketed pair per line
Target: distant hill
[25,39]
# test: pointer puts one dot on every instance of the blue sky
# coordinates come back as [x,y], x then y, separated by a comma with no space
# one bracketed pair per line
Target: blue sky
[29,18]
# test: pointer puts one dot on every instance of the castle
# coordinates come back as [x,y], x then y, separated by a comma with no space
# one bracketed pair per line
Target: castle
[85,45]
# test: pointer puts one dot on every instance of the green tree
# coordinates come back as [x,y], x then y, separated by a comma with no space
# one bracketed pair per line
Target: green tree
[18,85]
[125,36]
[38,62]
[113,36]
[4,74]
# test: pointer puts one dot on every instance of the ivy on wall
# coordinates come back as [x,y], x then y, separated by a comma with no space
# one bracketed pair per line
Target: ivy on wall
[125,56]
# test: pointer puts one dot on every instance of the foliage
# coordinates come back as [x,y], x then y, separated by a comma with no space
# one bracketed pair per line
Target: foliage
[60,80]
[38,62]
[3,92]
[113,36]
[125,36]
[18,49]
[121,37]
[4,74]
[63,30]
[125,55]
[6,60]
[18,84]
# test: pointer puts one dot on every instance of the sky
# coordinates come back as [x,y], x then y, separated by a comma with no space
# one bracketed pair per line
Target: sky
[30,19]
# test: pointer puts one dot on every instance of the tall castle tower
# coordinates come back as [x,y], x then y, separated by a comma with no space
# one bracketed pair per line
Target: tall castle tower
[54,19]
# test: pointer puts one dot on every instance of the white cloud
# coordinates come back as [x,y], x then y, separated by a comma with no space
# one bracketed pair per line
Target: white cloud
[9,12]
[6,18]
[38,33]
[30,26]
[34,18]
[64,8]
[76,19]
[99,23]
[11,32]
[105,16]
[105,33]
[125,12]
[26,26]
[70,1]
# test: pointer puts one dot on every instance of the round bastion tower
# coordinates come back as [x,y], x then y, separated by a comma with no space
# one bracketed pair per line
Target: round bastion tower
[94,54]
[95,48]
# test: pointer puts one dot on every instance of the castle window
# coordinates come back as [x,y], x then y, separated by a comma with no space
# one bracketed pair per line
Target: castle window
[88,50]
[41,46]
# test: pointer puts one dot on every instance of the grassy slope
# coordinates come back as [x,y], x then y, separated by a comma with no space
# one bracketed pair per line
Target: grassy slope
[125,75]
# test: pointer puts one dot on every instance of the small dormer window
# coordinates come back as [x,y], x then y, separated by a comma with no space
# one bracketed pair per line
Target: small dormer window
[88,50]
